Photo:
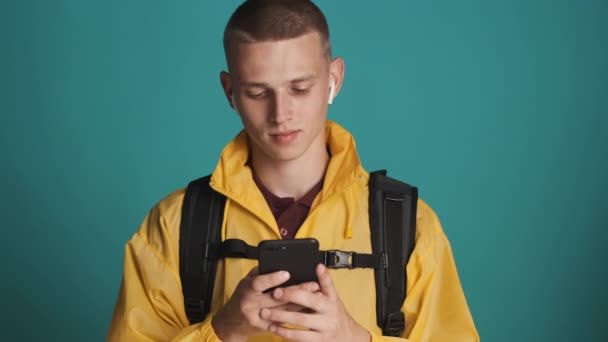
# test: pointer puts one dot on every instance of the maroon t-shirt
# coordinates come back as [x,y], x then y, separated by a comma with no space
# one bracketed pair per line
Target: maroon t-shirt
[288,213]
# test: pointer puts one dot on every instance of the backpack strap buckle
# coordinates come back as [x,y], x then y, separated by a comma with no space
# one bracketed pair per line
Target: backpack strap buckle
[394,324]
[338,259]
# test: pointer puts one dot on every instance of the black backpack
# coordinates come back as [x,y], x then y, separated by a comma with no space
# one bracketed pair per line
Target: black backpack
[392,216]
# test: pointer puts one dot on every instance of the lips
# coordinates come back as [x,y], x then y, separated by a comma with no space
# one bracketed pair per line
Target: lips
[284,133]
[284,137]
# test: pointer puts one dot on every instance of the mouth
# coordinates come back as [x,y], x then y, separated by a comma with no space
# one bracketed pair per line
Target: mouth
[284,136]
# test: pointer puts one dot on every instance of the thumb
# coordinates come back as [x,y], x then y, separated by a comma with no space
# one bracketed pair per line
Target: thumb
[325,282]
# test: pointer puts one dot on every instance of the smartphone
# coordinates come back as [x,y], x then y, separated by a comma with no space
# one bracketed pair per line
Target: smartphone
[299,257]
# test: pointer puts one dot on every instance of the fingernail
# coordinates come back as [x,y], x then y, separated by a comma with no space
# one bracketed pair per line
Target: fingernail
[284,274]
[278,293]
[265,313]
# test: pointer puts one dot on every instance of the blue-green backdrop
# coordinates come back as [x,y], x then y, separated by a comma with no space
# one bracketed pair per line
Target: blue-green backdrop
[497,110]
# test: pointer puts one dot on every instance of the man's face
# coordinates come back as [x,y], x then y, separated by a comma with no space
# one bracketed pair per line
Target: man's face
[280,90]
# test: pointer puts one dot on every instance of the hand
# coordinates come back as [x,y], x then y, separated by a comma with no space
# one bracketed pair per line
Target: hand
[328,321]
[240,316]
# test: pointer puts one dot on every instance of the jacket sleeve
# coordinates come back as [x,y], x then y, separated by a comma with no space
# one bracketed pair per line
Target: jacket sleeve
[150,301]
[435,306]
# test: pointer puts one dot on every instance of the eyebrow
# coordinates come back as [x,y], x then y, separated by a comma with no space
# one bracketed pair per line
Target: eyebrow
[304,78]
[265,85]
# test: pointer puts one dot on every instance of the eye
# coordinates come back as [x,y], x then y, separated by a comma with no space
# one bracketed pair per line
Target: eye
[256,94]
[300,90]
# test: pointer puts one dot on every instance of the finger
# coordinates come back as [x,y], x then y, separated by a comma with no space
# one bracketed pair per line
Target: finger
[289,307]
[261,283]
[311,300]
[266,300]
[294,334]
[311,286]
[304,320]
[308,287]
[325,282]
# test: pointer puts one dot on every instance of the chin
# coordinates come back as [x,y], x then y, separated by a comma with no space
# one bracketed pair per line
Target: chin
[285,155]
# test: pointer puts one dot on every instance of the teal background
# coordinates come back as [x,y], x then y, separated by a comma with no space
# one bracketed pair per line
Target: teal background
[496,110]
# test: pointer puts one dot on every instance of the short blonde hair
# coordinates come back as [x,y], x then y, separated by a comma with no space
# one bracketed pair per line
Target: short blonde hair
[273,20]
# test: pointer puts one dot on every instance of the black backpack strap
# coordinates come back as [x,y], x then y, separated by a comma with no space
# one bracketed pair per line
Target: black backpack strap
[342,259]
[392,215]
[199,241]
[236,248]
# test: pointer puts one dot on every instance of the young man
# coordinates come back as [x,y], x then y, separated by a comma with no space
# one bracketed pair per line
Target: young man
[289,173]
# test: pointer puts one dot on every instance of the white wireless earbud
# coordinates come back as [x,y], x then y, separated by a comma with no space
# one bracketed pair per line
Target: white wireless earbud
[331,92]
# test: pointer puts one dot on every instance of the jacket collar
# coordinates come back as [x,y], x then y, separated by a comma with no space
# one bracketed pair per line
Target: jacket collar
[232,176]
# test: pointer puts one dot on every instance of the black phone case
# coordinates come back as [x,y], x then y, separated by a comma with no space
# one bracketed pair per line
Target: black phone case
[299,257]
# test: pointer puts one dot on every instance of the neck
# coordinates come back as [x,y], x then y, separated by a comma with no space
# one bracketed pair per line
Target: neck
[291,178]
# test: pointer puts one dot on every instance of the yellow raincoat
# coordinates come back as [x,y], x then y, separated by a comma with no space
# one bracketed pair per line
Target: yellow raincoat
[150,305]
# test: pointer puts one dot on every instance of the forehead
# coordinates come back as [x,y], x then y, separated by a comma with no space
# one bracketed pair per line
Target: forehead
[278,61]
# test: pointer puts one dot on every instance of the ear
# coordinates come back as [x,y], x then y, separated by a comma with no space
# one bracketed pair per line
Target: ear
[336,74]
[226,82]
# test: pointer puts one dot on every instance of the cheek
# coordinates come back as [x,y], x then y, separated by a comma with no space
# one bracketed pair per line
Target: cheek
[320,106]
[252,113]
[314,104]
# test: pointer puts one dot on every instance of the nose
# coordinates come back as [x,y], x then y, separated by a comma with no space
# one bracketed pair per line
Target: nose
[281,110]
